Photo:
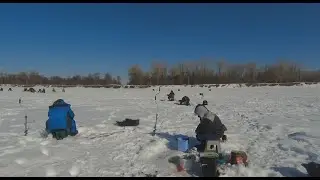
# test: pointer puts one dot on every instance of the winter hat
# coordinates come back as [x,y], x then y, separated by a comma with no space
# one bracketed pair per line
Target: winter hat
[201,111]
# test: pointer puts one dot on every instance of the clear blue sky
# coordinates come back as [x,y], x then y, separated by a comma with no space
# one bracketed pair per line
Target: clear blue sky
[68,39]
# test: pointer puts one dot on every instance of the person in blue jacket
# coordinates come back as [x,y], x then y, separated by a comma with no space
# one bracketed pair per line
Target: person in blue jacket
[61,121]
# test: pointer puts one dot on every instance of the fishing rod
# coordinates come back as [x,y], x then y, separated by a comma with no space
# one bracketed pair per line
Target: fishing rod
[25,118]
[155,124]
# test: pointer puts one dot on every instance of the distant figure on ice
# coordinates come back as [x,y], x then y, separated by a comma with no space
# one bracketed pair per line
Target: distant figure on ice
[53,90]
[61,121]
[185,101]
[32,90]
[171,96]
[210,127]
[205,102]
[63,90]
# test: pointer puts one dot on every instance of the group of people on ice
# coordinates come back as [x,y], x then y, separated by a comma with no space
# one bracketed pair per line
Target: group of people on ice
[61,121]
[61,124]
[184,101]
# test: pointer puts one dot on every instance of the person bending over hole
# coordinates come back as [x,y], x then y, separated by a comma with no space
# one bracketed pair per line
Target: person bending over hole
[61,121]
[210,126]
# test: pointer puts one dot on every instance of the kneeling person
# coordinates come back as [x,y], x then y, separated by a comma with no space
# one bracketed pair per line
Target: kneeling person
[171,96]
[210,126]
[61,121]
[185,101]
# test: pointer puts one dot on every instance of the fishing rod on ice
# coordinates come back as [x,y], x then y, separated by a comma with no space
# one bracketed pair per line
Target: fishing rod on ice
[25,118]
[155,124]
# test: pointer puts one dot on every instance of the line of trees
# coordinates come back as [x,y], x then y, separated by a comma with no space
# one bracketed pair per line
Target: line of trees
[34,78]
[220,72]
[196,72]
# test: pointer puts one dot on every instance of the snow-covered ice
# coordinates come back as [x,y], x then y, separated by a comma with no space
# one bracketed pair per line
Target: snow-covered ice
[278,127]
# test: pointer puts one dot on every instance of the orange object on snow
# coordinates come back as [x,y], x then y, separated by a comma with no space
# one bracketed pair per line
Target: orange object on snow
[238,157]
[180,168]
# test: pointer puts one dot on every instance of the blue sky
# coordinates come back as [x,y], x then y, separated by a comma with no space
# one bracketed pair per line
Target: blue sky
[68,39]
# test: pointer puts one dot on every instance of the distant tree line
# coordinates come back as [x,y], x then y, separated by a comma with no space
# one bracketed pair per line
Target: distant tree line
[34,78]
[220,72]
[196,72]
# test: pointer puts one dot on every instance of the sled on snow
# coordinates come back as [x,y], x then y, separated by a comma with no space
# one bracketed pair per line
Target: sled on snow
[128,122]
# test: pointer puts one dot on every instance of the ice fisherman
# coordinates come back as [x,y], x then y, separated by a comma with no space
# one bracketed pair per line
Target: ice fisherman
[61,121]
[185,101]
[210,126]
[171,96]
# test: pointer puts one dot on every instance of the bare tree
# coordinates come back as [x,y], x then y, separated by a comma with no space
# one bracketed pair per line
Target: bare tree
[135,75]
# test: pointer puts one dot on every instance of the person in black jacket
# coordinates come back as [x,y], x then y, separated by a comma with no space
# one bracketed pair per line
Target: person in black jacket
[171,96]
[185,101]
[210,126]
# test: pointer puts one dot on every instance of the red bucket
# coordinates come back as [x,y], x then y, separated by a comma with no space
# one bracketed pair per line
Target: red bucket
[238,157]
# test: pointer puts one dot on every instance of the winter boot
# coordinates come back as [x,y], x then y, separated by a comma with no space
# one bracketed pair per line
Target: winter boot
[60,134]
[224,138]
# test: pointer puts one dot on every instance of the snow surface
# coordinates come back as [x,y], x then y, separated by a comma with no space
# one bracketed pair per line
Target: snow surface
[278,127]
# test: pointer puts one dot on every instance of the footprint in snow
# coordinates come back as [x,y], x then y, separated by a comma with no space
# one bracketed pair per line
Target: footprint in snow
[50,172]
[74,171]
[101,125]
[44,143]
[44,151]
[21,161]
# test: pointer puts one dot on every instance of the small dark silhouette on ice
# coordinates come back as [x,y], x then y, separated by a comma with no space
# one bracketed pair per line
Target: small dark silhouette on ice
[184,101]
[171,96]
[32,90]
[204,102]
[128,122]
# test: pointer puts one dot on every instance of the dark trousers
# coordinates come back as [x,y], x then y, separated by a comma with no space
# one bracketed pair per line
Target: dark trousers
[60,134]
[209,167]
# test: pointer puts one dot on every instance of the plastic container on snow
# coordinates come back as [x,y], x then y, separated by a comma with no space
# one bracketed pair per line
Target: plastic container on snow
[183,143]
